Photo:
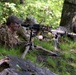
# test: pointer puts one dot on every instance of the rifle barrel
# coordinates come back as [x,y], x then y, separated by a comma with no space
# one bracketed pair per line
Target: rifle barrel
[72,34]
[58,31]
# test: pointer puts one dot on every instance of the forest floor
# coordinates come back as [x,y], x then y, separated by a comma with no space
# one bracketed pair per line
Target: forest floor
[62,64]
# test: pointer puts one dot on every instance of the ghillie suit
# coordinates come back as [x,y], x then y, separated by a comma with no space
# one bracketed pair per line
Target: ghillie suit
[30,20]
[9,39]
[18,38]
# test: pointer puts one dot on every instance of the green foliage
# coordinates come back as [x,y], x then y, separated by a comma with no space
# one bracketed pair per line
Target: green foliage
[45,11]
[64,41]
[51,63]
[31,56]
[6,10]
[44,44]
[4,52]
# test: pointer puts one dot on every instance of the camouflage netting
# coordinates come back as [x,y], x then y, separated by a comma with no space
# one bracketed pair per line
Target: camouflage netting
[11,65]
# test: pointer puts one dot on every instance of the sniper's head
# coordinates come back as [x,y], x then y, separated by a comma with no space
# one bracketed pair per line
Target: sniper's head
[13,22]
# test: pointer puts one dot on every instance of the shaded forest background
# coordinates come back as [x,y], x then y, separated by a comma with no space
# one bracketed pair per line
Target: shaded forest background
[45,11]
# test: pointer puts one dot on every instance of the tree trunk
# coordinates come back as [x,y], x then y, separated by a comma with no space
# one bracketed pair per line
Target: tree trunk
[68,16]
[21,1]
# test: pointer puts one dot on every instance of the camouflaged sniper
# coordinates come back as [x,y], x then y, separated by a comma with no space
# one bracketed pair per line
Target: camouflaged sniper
[7,38]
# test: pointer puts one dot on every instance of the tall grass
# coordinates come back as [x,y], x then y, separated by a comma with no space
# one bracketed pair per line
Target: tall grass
[64,64]
[4,52]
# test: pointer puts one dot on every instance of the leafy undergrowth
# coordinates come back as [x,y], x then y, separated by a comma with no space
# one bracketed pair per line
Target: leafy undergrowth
[63,64]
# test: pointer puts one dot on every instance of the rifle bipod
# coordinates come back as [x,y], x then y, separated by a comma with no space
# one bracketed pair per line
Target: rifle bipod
[28,47]
[31,45]
[38,48]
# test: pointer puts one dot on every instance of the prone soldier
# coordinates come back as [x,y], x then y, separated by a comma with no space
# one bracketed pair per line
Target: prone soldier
[12,34]
[8,32]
